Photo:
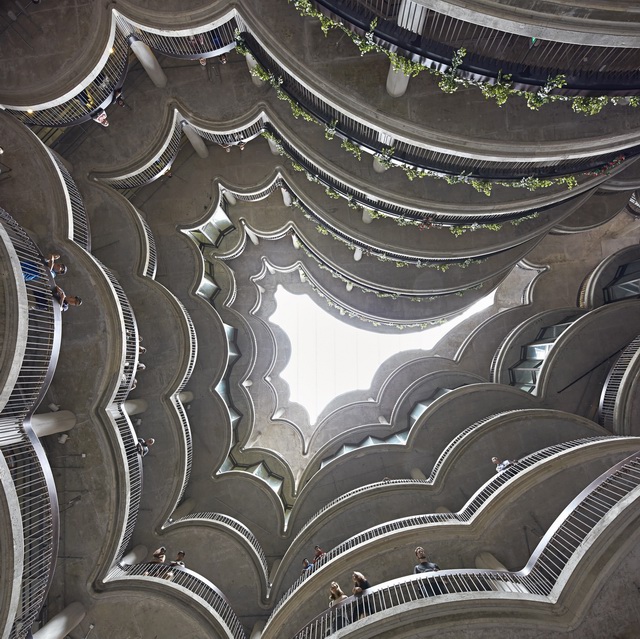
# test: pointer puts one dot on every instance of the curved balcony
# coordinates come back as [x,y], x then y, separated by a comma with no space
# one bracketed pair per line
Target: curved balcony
[198,591]
[430,38]
[613,412]
[465,515]
[393,150]
[229,523]
[36,343]
[589,515]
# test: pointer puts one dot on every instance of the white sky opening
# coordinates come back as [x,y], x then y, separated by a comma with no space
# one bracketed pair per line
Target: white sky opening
[330,357]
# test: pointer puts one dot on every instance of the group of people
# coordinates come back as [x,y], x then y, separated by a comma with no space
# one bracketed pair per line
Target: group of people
[30,272]
[362,605]
[307,566]
[161,567]
[503,465]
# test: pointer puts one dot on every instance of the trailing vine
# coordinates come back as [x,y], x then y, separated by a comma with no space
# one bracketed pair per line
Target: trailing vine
[499,90]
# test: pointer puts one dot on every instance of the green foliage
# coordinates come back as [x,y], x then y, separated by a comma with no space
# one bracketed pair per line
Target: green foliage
[589,106]
[500,91]
[330,130]
[348,145]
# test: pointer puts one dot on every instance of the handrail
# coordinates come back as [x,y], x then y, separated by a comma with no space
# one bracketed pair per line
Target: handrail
[132,342]
[200,588]
[96,94]
[151,259]
[463,516]
[133,483]
[25,457]
[237,526]
[203,42]
[375,140]
[611,388]
[79,224]
[589,70]
[564,540]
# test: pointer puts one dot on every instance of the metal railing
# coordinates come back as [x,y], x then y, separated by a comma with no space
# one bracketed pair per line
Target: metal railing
[151,259]
[132,342]
[387,208]
[133,484]
[561,543]
[25,458]
[79,224]
[96,94]
[39,514]
[530,60]
[44,325]
[199,44]
[374,140]
[463,516]
[235,525]
[611,389]
[200,588]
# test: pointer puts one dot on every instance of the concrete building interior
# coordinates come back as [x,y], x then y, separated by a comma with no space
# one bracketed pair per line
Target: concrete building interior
[170,170]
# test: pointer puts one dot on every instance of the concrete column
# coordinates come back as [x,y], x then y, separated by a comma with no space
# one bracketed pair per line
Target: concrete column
[185,397]
[251,63]
[63,623]
[416,473]
[135,406]
[229,197]
[61,421]
[258,627]
[273,146]
[442,509]
[295,241]
[349,286]
[184,509]
[135,556]
[286,197]
[252,236]
[397,83]
[367,218]
[378,167]
[272,271]
[196,141]
[149,62]
[357,254]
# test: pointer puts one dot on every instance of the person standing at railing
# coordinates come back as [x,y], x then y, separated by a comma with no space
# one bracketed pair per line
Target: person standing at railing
[318,553]
[65,300]
[360,585]
[502,465]
[336,599]
[307,567]
[428,587]
[143,446]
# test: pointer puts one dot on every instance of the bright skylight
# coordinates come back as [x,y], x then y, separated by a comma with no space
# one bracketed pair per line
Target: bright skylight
[330,357]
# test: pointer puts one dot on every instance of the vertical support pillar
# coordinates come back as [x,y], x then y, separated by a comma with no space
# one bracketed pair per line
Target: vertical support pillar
[273,146]
[411,16]
[63,623]
[251,63]
[61,421]
[185,397]
[255,240]
[295,241]
[416,473]
[184,509]
[196,141]
[135,556]
[257,629]
[229,197]
[367,216]
[149,62]
[357,254]
[135,406]
[286,197]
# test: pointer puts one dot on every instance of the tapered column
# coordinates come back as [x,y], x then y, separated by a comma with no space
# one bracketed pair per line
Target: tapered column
[63,623]
[135,406]
[251,63]
[61,421]
[184,509]
[185,397]
[273,146]
[196,141]
[135,556]
[229,197]
[149,62]
[258,627]
[367,217]
[397,83]
[416,473]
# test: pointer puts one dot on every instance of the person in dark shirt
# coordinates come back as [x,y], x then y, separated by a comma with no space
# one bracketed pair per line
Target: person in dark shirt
[360,585]
[428,587]
[144,445]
